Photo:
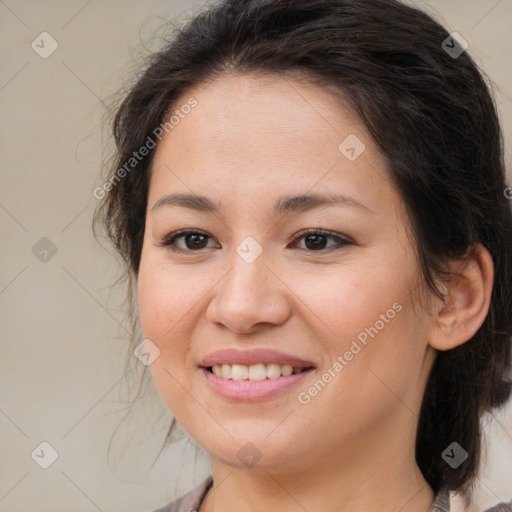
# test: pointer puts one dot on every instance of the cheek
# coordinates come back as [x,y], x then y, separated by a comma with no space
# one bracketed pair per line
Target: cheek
[352,298]
[155,311]
[382,353]
[165,310]
[367,317]
[164,298]
[161,306]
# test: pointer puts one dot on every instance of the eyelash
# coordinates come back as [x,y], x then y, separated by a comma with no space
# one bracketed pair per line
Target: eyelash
[169,240]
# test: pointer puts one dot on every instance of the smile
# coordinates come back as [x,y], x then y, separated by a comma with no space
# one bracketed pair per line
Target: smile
[254,374]
[258,371]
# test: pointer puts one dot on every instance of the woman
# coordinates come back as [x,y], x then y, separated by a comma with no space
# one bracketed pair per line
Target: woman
[310,198]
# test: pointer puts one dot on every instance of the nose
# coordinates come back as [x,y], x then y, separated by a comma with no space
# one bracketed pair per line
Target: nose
[250,297]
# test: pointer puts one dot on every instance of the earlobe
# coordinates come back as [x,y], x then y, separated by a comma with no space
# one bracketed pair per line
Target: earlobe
[467,300]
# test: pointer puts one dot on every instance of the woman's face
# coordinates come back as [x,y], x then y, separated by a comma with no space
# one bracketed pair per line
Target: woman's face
[249,295]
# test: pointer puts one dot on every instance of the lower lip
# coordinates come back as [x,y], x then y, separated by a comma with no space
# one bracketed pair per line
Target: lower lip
[252,390]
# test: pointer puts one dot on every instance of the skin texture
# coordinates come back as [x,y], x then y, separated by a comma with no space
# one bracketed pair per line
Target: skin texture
[250,140]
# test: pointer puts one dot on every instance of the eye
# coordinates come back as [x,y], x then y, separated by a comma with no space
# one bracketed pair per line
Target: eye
[193,240]
[315,239]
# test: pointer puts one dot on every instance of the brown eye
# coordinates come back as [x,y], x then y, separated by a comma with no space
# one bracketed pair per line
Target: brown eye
[315,240]
[191,241]
[195,241]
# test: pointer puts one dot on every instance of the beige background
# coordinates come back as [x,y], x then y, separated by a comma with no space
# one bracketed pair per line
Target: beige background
[63,346]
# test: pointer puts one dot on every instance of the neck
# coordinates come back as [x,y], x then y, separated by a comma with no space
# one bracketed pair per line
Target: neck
[372,478]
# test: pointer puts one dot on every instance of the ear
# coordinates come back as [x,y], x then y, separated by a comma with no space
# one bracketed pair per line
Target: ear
[468,296]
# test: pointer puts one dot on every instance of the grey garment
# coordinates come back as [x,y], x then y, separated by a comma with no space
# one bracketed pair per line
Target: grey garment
[191,501]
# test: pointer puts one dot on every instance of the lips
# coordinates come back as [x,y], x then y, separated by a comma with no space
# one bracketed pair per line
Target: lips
[254,374]
[253,357]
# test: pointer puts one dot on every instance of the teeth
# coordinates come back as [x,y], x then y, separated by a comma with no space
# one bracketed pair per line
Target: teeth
[226,371]
[286,370]
[254,371]
[273,371]
[257,372]
[239,372]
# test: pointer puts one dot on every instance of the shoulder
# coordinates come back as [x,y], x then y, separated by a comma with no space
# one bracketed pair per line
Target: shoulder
[189,502]
[441,502]
[501,507]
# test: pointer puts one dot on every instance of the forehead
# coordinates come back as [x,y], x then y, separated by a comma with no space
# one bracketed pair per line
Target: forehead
[261,115]
[252,133]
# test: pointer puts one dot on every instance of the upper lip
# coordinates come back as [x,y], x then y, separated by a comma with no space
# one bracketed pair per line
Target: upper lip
[253,356]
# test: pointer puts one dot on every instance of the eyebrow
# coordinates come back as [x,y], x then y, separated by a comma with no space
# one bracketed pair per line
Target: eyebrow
[284,204]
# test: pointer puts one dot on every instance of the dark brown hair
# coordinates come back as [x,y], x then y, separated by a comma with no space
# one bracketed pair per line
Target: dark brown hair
[432,116]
